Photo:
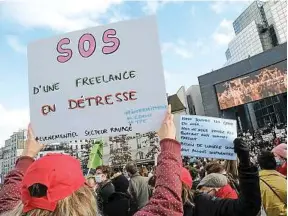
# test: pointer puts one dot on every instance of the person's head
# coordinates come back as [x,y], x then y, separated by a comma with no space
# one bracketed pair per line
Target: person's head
[144,172]
[102,174]
[267,160]
[211,183]
[131,168]
[55,185]
[120,183]
[215,167]
[280,151]
[187,183]
[91,182]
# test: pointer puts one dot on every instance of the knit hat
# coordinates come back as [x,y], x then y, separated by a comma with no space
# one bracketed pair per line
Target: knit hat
[186,177]
[60,174]
[213,180]
[120,183]
[280,150]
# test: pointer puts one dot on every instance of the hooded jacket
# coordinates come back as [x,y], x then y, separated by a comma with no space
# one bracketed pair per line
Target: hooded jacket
[103,193]
[248,203]
[226,192]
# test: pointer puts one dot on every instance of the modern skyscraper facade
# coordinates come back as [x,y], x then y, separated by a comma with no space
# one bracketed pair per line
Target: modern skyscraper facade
[276,15]
[246,43]
[252,13]
[260,27]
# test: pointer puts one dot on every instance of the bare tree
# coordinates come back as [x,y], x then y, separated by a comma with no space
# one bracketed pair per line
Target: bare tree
[154,145]
[120,151]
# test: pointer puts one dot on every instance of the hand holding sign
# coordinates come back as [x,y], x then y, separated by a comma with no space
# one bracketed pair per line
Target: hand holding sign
[76,76]
[208,137]
[168,129]
[32,147]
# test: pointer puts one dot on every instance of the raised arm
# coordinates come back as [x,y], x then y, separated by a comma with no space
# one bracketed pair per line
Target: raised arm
[166,199]
[249,201]
[10,194]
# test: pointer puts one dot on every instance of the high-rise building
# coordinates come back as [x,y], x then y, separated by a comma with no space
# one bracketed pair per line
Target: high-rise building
[1,162]
[260,27]
[52,149]
[276,16]
[12,150]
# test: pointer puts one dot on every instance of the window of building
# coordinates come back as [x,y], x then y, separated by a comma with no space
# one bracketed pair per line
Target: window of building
[270,109]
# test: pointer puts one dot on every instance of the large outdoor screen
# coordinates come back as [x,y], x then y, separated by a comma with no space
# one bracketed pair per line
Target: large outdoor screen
[260,84]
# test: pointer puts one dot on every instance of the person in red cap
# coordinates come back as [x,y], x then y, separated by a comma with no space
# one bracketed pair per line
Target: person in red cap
[10,193]
[187,196]
[53,183]
[166,199]
[55,193]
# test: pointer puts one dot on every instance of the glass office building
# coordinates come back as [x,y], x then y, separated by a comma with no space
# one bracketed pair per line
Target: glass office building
[247,43]
[271,110]
[276,15]
[260,27]
[251,14]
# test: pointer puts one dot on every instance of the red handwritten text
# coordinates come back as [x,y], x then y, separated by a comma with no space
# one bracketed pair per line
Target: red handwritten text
[47,109]
[102,100]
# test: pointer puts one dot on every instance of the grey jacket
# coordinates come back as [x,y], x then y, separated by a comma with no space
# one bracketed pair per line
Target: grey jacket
[138,188]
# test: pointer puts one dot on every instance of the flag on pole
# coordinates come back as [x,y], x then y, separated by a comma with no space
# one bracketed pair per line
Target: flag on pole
[95,156]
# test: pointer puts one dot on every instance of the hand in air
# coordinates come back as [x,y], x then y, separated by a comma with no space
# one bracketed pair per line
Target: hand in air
[242,150]
[32,147]
[168,129]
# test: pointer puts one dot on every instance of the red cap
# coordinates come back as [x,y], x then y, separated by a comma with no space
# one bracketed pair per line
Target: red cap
[61,174]
[186,177]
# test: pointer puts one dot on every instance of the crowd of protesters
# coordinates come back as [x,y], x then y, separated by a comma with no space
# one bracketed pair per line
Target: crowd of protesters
[54,185]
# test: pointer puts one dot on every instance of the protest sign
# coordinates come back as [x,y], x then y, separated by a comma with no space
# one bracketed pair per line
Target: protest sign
[97,82]
[207,137]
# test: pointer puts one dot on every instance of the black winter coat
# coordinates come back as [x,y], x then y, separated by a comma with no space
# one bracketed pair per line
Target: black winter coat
[188,209]
[103,193]
[118,204]
[248,203]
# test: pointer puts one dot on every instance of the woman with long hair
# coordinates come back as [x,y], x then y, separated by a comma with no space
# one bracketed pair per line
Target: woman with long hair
[51,185]
[55,186]
[187,196]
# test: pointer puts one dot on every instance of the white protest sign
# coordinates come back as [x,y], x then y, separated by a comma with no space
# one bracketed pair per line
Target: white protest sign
[97,82]
[207,137]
